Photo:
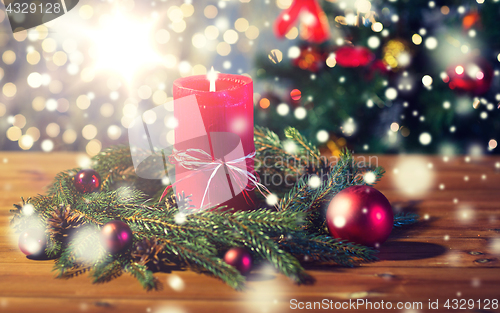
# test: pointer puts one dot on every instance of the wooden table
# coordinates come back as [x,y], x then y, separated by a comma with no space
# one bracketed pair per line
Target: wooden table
[451,254]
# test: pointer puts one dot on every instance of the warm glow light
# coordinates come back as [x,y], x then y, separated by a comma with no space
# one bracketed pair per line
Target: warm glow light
[394,127]
[123,46]
[427,80]
[492,144]
[363,6]
[459,70]
[417,39]
[377,27]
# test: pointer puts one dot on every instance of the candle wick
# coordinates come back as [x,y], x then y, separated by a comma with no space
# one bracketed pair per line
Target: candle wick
[212,77]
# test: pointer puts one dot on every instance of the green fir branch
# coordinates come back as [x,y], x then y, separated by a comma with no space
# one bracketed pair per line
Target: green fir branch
[257,241]
[144,276]
[72,271]
[54,248]
[267,141]
[328,249]
[106,271]
[63,189]
[305,146]
[404,219]
[111,163]
[270,150]
[81,252]
[271,222]
[191,254]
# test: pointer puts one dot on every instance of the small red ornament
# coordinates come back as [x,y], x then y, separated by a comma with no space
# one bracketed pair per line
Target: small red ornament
[474,76]
[116,236]
[87,181]
[315,26]
[295,94]
[471,19]
[353,56]
[360,214]
[33,242]
[309,59]
[239,258]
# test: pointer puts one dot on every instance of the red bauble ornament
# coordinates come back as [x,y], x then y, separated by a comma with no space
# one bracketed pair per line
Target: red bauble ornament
[353,56]
[116,236]
[360,214]
[315,26]
[239,258]
[87,181]
[474,76]
[33,242]
[295,94]
[309,59]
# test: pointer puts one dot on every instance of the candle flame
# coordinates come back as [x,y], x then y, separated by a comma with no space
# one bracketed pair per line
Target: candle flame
[212,77]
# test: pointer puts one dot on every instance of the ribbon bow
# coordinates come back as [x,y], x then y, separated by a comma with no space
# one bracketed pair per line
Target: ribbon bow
[199,160]
[314,20]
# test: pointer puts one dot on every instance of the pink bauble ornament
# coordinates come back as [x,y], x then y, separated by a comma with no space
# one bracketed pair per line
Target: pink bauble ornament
[116,236]
[239,258]
[360,214]
[33,242]
[87,181]
[353,56]
[473,76]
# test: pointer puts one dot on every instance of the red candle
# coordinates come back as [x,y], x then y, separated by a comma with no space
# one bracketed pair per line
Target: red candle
[228,109]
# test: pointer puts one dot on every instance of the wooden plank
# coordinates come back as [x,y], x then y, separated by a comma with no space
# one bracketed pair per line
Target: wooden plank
[447,256]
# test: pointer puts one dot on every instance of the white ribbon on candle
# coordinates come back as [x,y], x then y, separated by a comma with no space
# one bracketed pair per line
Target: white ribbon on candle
[188,160]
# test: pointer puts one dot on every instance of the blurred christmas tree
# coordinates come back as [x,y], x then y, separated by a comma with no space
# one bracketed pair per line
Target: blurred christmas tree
[376,76]
[386,76]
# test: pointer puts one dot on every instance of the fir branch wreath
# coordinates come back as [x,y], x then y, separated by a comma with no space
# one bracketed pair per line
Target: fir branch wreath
[293,230]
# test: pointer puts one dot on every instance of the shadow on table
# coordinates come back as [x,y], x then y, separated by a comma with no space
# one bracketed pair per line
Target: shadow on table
[409,250]
[327,267]
[406,206]
[260,277]
[40,257]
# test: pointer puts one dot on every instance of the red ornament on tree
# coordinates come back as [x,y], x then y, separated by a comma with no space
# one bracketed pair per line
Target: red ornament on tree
[360,214]
[33,242]
[239,258]
[295,94]
[315,26]
[353,56]
[116,236]
[87,181]
[309,59]
[474,76]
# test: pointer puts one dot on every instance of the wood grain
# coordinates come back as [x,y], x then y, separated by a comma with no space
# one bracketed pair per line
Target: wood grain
[448,255]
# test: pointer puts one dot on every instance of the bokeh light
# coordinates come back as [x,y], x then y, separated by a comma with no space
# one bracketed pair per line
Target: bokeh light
[300,113]
[431,43]
[412,177]
[210,11]
[264,103]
